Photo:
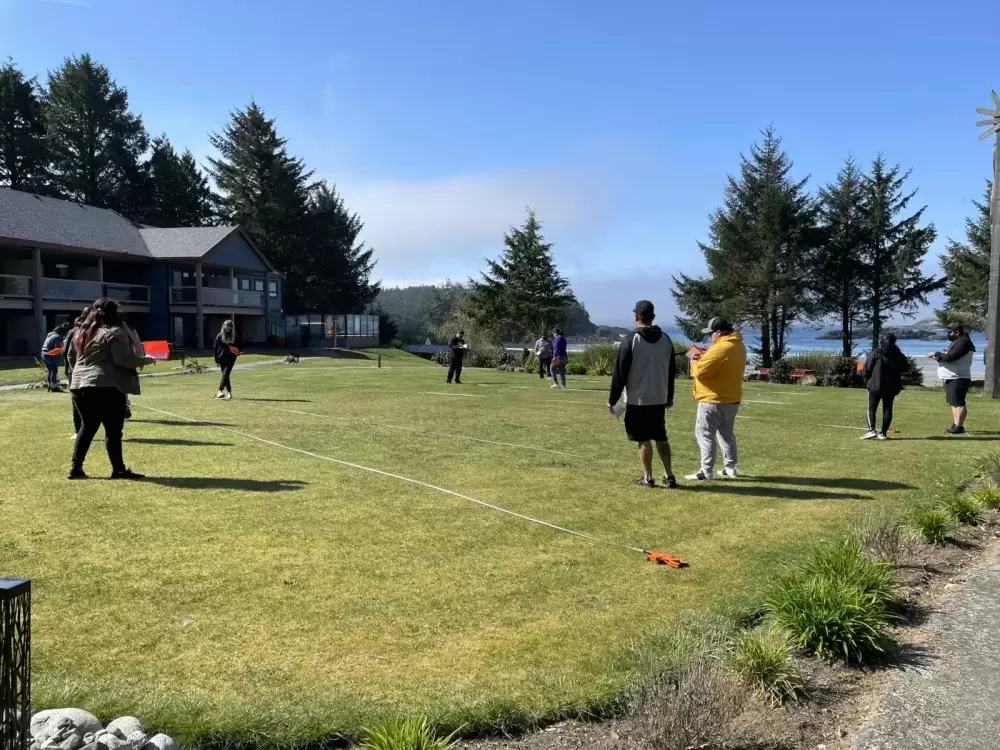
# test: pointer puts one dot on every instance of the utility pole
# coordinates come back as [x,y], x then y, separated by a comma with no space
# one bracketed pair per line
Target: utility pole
[993,315]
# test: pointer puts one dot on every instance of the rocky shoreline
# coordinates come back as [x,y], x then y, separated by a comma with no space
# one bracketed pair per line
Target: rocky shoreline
[902,334]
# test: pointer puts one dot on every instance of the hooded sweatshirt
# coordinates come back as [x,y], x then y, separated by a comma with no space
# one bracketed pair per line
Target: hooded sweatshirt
[645,369]
[884,370]
[718,374]
[956,363]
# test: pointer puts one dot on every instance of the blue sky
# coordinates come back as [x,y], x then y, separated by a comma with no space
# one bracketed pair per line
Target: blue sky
[441,120]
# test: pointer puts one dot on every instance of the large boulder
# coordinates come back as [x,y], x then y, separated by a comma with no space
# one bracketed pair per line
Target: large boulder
[160,742]
[63,722]
[123,727]
[110,742]
[137,739]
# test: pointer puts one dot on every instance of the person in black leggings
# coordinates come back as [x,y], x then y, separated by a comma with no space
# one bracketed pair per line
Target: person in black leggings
[67,352]
[104,366]
[884,371]
[226,351]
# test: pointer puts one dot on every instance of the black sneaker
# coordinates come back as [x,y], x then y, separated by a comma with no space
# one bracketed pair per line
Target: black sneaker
[670,482]
[644,482]
[128,413]
[458,382]
[127,474]
[955,430]
[76,474]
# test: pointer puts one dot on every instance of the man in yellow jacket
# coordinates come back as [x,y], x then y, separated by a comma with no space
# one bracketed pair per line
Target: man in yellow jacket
[718,388]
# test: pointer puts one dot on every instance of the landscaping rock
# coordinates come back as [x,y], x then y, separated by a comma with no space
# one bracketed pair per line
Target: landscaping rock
[137,739]
[73,742]
[160,742]
[110,742]
[123,727]
[90,746]
[58,720]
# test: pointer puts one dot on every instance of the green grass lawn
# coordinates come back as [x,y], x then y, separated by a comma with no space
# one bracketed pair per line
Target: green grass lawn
[15,370]
[249,590]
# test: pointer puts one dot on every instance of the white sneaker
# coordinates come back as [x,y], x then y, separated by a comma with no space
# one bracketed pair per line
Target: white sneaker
[882,436]
[555,385]
[563,387]
[698,477]
[728,474]
[870,435]
[220,395]
[228,397]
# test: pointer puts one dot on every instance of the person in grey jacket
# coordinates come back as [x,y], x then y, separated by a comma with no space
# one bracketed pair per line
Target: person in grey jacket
[955,369]
[645,373]
[105,370]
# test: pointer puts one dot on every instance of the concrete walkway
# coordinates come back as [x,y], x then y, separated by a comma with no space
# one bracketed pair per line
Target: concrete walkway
[952,700]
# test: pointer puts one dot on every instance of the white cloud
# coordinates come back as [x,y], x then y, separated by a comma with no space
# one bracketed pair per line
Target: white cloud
[445,226]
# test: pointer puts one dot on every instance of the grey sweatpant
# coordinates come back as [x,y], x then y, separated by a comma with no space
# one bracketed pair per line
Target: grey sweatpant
[716,421]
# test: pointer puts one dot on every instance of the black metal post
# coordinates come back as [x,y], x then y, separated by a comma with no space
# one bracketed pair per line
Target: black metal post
[15,663]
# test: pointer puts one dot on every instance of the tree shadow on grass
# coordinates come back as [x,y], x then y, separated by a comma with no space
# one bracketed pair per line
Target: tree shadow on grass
[226,483]
[176,441]
[181,423]
[781,493]
[279,400]
[847,483]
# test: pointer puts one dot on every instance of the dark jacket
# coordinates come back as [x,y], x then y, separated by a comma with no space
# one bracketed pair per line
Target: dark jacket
[559,348]
[884,370]
[458,349]
[645,369]
[223,355]
[956,363]
[68,347]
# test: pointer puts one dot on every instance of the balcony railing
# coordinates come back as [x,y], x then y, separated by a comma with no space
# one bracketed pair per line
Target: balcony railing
[211,297]
[72,290]
[16,287]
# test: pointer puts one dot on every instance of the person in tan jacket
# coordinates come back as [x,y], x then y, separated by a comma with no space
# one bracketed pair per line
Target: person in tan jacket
[105,371]
[718,388]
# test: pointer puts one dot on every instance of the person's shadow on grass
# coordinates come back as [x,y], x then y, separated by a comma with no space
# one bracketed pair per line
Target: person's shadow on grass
[227,483]
[181,423]
[177,441]
[280,400]
[846,483]
[779,493]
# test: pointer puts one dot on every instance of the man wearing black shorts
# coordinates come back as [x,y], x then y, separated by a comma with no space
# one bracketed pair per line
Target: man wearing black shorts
[955,369]
[644,374]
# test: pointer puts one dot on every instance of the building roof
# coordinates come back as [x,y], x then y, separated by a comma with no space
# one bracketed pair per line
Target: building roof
[34,220]
[177,243]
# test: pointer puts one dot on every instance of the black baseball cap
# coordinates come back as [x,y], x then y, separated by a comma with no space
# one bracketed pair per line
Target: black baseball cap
[956,327]
[717,324]
[644,309]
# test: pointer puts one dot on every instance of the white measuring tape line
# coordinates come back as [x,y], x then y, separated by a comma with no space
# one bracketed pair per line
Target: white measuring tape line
[427,432]
[401,478]
[459,395]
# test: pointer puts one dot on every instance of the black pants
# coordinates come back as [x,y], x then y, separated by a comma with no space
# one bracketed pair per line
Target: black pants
[873,401]
[455,371]
[227,370]
[96,407]
[544,367]
[77,419]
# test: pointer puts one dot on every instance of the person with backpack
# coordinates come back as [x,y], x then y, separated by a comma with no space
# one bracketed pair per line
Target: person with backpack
[884,370]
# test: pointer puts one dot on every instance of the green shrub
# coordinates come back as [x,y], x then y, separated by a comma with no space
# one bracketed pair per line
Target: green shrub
[575,365]
[530,363]
[986,495]
[781,372]
[599,359]
[879,534]
[819,362]
[914,375]
[829,618]
[843,373]
[682,362]
[963,509]
[406,734]
[843,562]
[988,467]
[763,659]
[933,525]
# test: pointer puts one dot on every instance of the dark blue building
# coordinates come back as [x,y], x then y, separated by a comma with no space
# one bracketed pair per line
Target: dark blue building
[177,284]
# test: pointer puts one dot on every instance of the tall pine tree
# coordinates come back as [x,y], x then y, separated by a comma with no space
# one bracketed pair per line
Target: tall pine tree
[23,153]
[759,254]
[178,191]
[893,248]
[967,270]
[839,265]
[522,292]
[96,143]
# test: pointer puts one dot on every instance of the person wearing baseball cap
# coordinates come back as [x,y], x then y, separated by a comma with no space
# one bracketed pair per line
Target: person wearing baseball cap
[955,369]
[718,388]
[644,374]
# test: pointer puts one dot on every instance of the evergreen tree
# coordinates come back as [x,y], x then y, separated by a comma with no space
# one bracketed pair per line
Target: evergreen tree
[839,266]
[95,142]
[23,153]
[759,253]
[522,292]
[893,248]
[179,192]
[967,270]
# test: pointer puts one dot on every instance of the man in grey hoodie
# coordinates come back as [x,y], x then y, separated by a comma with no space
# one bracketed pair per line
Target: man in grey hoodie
[645,373]
[955,369]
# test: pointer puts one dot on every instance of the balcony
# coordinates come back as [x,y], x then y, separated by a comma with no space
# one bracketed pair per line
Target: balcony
[213,297]
[72,290]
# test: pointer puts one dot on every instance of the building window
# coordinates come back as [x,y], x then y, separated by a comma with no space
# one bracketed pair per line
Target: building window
[273,289]
[258,285]
[244,284]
